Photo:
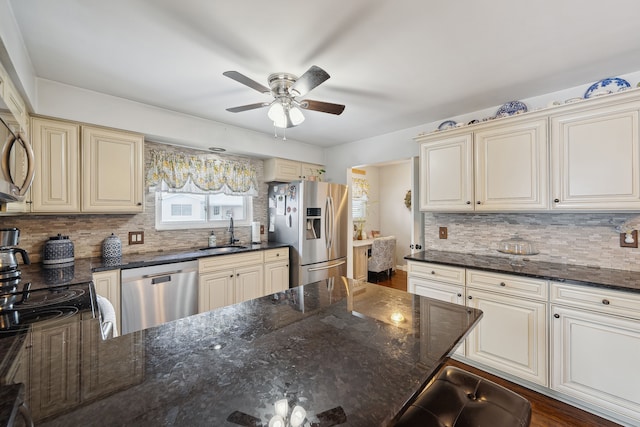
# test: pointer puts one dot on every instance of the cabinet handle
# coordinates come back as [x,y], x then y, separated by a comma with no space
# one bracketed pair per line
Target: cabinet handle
[478,202]
[459,295]
[238,275]
[503,284]
[556,200]
[468,202]
[605,302]
[433,272]
[139,203]
[557,316]
[231,276]
[469,297]
[277,255]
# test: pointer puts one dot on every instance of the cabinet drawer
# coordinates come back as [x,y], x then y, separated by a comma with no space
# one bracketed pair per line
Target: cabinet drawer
[224,261]
[278,254]
[507,284]
[436,272]
[602,300]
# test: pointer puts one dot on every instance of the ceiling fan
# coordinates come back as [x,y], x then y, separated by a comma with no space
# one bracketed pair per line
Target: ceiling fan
[285,88]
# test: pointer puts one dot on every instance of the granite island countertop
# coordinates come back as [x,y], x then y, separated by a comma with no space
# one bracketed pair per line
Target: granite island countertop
[527,266]
[326,345]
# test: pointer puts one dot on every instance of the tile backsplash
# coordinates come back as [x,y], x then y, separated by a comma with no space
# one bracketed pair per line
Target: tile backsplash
[567,238]
[88,231]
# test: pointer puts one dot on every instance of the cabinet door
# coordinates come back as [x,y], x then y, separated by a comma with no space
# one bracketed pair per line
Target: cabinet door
[282,170]
[594,358]
[276,277]
[595,159]
[435,290]
[107,284]
[361,262]
[511,167]
[56,183]
[310,171]
[112,170]
[446,174]
[511,336]
[55,367]
[216,290]
[249,283]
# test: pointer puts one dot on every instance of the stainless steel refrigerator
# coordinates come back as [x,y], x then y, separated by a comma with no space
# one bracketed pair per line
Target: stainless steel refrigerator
[312,217]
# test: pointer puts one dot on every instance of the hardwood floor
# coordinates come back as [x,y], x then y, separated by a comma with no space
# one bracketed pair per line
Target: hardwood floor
[545,411]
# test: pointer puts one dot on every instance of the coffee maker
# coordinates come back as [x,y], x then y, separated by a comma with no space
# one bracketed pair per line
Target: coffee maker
[9,238]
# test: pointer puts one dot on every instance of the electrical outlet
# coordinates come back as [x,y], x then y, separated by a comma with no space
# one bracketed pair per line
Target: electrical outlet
[442,232]
[136,237]
[633,243]
[261,229]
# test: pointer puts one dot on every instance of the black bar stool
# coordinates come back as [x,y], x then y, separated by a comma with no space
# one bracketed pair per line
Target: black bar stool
[457,398]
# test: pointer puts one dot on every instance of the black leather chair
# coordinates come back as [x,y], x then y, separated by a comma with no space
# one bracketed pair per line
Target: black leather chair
[457,398]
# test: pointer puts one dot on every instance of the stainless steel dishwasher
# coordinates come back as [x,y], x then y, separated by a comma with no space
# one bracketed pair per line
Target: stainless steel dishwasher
[158,294]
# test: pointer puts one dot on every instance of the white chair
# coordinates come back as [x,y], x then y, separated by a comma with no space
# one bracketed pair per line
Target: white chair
[383,255]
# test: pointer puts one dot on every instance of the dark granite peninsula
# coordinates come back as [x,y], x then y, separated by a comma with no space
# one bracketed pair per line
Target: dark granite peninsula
[354,349]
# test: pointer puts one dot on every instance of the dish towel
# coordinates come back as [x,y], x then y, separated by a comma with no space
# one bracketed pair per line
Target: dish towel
[108,313]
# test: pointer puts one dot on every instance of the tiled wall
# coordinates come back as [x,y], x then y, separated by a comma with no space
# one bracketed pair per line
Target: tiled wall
[88,231]
[568,238]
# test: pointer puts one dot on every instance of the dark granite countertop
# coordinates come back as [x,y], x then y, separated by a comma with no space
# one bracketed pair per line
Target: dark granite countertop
[326,345]
[527,266]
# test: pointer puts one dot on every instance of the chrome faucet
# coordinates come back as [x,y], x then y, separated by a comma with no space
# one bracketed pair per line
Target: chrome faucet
[232,238]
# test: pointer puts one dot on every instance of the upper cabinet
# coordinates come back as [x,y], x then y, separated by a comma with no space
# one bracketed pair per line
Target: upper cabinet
[583,156]
[86,168]
[283,170]
[596,158]
[498,168]
[12,100]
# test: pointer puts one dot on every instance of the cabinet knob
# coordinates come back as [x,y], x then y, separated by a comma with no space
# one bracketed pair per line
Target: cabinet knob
[231,276]
[469,297]
[503,284]
[238,275]
[459,295]
[478,202]
[557,316]
[277,255]
[468,202]
[605,302]
[139,203]
[433,272]
[556,200]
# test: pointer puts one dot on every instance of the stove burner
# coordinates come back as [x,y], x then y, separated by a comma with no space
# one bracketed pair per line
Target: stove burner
[51,296]
[14,321]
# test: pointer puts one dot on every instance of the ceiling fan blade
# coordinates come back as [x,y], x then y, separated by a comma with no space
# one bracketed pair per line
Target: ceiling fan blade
[325,107]
[311,79]
[241,78]
[248,107]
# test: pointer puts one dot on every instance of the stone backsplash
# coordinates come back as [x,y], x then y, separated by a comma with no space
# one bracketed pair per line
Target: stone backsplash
[88,231]
[567,238]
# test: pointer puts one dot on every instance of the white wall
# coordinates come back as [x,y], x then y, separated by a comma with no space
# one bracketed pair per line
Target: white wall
[395,218]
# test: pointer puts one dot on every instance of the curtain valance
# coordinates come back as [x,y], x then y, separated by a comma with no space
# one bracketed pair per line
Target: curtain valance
[179,172]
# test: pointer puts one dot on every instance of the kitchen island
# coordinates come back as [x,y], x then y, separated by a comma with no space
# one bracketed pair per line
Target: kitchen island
[351,348]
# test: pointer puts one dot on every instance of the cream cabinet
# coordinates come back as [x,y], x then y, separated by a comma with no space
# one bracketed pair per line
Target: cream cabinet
[113,168]
[54,367]
[86,169]
[446,174]
[283,170]
[230,279]
[276,270]
[595,158]
[107,285]
[595,342]
[496,168]
[361,262]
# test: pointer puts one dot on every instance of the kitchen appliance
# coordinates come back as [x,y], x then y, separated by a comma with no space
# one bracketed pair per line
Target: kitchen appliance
[17,163]
[158,294]
[9,272]
[312,218]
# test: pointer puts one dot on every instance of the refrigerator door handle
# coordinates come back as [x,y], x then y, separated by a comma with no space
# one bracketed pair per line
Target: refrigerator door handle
[328,214]
[327,267]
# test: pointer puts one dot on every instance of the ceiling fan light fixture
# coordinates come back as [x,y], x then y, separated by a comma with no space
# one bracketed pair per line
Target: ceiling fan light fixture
[278,115]
[295,116]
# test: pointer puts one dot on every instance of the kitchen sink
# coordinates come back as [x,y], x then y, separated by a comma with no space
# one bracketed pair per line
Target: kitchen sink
[223,249]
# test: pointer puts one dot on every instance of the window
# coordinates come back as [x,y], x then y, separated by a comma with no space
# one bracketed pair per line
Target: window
[359,208]
[188,210]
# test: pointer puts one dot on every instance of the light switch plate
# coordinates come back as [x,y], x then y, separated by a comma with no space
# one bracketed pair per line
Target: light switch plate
[136,237]
[442,232]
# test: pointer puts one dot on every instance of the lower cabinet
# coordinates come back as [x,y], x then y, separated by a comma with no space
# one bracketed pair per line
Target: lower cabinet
[594,354]
[361,262]
[276,270]
[107,285]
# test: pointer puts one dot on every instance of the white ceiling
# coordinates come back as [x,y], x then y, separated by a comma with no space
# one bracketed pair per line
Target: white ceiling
[394,64]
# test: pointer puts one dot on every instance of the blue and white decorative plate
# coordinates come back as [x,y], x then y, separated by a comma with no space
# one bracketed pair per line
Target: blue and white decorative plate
[447,125]
[606,86]
[511,108]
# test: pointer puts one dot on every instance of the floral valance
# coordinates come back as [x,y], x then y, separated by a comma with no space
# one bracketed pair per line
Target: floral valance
[191,173]
[360,188]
